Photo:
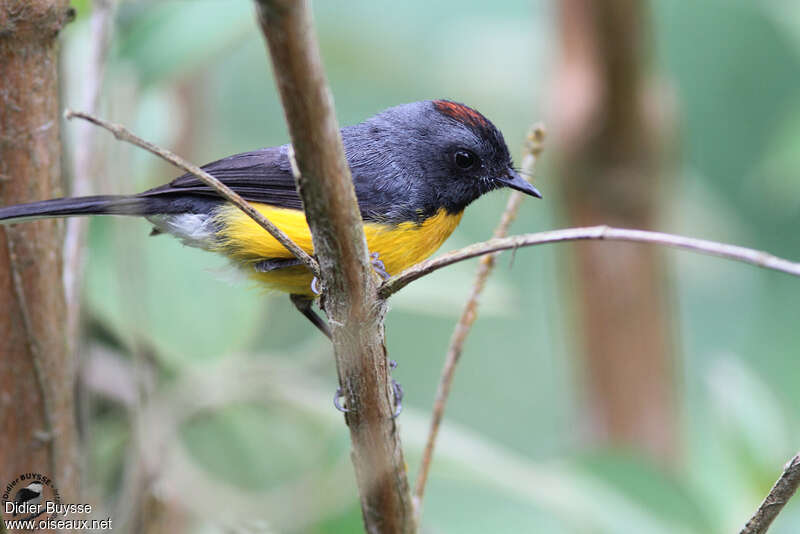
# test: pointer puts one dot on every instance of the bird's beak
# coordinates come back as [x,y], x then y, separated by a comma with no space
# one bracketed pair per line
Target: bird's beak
[513,180]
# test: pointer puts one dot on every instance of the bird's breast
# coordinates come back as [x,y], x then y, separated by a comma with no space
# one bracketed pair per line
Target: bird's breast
[402,245]
[399,245]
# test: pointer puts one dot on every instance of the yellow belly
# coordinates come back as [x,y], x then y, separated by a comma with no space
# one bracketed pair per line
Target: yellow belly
[399,246]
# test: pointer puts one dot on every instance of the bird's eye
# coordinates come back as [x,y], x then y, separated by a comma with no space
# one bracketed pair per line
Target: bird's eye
[465,159]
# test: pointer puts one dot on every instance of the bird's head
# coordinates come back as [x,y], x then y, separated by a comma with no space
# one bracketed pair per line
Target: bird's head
[474,151]
[35,486]
[435,153]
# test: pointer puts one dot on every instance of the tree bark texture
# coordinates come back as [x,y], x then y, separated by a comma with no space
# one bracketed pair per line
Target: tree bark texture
[608,135]
[349,290]
[37,426]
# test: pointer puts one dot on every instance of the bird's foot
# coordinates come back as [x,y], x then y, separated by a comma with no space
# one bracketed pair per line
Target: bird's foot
[377,265]
[273,264]
[316,286]
[380,268]
[397,389]
[337,400]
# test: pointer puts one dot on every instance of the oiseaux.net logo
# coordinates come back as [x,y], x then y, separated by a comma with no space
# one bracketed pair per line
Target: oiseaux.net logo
[32,502]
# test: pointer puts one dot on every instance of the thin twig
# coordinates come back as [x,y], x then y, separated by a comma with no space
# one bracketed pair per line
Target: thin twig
[776,499]
[123,134]
[533,147]
[355,315]
[703,246]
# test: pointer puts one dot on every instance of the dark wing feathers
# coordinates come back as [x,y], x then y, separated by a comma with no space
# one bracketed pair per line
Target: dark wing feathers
[259,176]
[265,176]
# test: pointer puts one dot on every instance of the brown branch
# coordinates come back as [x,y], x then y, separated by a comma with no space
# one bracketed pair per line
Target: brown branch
[356,316]
[123,134]
[533,147]
[603,233]
[776,499]
[36,369]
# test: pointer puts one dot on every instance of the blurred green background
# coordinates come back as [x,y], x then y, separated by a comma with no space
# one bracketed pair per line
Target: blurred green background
[209,401]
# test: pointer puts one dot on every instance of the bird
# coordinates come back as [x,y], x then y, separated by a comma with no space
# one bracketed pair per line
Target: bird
[415,168]
[30,495]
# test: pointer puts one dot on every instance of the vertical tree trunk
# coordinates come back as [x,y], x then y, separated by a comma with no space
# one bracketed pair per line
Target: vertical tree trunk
[37,429]
[610,149]
[355,314]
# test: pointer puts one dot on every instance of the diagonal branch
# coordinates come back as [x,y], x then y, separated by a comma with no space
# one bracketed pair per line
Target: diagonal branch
[607,233]
[123,134]
[779,495]
[533,147]
[356,316]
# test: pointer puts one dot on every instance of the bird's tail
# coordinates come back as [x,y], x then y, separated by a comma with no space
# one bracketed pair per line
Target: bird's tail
[95,205]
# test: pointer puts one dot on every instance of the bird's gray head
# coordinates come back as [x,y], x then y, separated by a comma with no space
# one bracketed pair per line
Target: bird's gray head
[432,154]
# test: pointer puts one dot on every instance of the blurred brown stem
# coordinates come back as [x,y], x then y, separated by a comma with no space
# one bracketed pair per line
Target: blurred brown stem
[533,147]
[610,131]
[779,495]
[86,162]
[349,299]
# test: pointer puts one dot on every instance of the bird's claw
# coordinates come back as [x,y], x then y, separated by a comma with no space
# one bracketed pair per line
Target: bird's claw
[397,389]
[378,265]
[398,398]
[337,397]
[315,286]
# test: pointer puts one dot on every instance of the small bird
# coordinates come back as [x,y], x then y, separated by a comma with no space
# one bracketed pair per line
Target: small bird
[30,495]
[415,168]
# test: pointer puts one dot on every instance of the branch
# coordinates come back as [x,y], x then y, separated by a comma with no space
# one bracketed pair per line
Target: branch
[38,372]
[713,248]
[123,134]
[533,147]
[778,496]
[356,316]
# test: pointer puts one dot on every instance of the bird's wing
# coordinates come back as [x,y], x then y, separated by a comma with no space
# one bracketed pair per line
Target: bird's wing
[259,176]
